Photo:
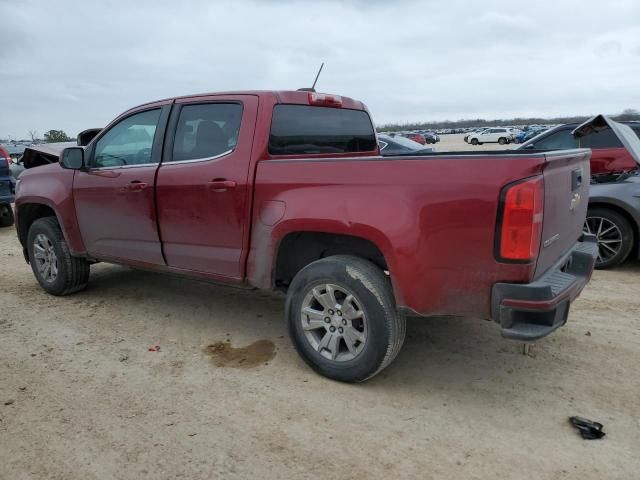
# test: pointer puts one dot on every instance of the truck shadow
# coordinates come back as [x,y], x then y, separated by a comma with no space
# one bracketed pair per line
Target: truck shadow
[443,353]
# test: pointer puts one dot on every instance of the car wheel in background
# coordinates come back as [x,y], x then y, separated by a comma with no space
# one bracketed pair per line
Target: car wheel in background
[57,271]
[502,141]
[6,215]
[474,141]
[343,319]
[614,234]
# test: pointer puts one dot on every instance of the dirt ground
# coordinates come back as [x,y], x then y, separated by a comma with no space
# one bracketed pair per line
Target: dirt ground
[83,397]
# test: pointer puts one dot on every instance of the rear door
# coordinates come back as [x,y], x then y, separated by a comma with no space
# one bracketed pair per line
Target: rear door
[203,184]
[114,197]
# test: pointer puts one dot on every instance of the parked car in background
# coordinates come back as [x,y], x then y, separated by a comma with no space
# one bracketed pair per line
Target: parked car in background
[614,198]
[527,134]
[471,132]
[416,137]
[399,145]
[16,168]
[614,217]
[6,190]
[490,135]
[431,137]
[608,153]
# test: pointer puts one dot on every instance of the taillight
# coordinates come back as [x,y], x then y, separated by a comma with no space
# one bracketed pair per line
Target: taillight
[520,220]
[324,99]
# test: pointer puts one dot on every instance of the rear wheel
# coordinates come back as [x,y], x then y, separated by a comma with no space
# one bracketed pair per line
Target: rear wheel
[342,318]
[502,141]
[57,271]
[6,215]
[474,141]
[614,233]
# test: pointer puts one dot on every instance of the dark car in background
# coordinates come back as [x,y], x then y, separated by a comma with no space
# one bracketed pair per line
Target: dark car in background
[6,190]
[614,198]
[614,217]
[399,145]
[608,153]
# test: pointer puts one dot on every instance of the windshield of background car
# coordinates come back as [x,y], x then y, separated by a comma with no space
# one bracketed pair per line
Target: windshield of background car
[407,143]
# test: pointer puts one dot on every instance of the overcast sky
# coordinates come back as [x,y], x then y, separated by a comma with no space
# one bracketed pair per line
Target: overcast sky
[73,65]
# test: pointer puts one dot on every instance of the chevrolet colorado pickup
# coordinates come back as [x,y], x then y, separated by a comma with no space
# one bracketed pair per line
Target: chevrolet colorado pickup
[287,190]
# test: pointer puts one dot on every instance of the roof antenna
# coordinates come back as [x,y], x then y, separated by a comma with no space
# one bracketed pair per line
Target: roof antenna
[313,87]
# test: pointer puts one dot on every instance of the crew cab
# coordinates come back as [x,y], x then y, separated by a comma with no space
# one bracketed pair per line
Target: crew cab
[287,190]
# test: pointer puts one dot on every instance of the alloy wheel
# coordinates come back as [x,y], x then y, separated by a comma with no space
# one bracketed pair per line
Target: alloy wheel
[608,234]
[45,258]
[334,323]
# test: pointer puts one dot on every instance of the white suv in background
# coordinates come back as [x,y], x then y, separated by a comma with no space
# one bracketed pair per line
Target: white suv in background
[491,135]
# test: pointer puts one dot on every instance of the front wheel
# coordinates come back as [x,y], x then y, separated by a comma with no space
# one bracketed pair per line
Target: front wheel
[614,234]
[57,271]
[342,318]
[474,141]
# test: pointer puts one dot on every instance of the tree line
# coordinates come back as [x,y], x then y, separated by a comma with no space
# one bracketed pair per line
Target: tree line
[627,115]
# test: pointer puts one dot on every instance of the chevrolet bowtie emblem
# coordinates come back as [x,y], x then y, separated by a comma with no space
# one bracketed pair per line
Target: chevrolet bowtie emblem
[575,201]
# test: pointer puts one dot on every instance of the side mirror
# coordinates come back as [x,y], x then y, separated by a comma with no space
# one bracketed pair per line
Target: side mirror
[72,158]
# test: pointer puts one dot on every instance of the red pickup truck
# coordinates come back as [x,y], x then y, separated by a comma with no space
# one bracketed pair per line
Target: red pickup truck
[287,191]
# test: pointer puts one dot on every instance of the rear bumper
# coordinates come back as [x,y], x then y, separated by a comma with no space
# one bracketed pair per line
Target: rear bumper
[531,311]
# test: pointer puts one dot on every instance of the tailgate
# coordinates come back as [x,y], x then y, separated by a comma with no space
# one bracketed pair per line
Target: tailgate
[566,196]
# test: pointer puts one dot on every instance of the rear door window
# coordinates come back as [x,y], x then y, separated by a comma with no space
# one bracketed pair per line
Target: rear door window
[206,130]
[302,129]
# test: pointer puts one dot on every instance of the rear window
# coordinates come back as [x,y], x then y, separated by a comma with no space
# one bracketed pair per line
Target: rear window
[302,129]
[603,139]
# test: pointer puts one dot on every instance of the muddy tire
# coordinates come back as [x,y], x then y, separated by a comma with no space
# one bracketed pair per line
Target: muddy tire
[342,318]
[57,271]
[6,215]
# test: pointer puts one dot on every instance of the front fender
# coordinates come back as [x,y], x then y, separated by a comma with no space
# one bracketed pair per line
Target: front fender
[50,186]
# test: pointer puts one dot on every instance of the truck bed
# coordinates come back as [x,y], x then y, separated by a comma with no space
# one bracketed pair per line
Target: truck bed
[433,216]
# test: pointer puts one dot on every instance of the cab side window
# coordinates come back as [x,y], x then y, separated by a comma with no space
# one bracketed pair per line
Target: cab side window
[206,130]
[604,139]
[560,140]
[129,142]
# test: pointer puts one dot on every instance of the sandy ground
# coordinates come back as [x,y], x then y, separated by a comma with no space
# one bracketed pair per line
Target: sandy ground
[82,397]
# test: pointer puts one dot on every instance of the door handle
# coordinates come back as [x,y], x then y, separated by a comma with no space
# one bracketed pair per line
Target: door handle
[220,184]
[137,186]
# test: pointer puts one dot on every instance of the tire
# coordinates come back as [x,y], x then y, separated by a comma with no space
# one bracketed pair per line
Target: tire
[502,141]
[72,273]
[6,215]
[381,327]
[615,236]
[474,141]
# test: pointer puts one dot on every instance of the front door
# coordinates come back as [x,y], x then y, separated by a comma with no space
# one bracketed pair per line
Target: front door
[203,184]
[114,197]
